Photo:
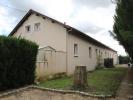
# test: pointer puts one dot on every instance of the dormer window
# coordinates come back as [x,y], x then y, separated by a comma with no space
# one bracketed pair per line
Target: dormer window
[28,28]
[36,26]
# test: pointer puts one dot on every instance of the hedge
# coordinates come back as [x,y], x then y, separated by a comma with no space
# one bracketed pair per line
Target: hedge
[108,62]
[17,62]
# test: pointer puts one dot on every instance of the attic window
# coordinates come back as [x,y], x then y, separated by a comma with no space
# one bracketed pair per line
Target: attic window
[90,52]
[96,52]
[28,28]
[44,17]
[75,50]
[53,21]
[37,26]
[37,14]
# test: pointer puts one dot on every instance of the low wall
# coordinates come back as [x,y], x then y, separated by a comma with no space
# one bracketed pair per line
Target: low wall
[50,62]
[37,93]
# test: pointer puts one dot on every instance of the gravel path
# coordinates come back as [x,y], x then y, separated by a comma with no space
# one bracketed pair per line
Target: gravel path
[126,90]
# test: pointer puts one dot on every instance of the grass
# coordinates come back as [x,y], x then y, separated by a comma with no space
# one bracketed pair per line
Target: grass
[103,81]
[106,81]
[62,83]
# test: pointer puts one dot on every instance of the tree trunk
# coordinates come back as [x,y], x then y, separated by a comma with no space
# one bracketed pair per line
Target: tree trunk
[80,78]
[130,75]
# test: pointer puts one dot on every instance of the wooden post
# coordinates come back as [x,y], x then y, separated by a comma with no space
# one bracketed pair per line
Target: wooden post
[80,78]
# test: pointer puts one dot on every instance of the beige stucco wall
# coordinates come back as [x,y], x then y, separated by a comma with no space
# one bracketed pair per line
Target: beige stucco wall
[83,54]
[50,34]
[56,36]
[50,62]
[83,58]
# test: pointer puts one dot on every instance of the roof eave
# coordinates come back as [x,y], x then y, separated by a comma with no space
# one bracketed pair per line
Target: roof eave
[66,26]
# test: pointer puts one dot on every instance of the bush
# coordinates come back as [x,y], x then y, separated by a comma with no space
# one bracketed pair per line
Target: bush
[17,62]
[108,62]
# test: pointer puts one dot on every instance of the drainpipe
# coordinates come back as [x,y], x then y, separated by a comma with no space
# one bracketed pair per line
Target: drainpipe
[67,32]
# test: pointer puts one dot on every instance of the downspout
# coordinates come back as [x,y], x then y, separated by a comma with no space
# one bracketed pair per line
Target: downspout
[66,51]
[67,32]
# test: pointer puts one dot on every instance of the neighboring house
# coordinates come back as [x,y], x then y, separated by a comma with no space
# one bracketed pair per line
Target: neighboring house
[61,47]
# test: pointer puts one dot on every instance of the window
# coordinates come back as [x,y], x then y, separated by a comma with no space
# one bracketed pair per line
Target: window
[96,52]
[28,28]
[105,55]
[75,49]
[108,55]
[101,54]
[90,52]
[36,26]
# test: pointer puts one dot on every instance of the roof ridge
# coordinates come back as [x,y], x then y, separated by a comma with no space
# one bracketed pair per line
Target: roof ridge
[66,26]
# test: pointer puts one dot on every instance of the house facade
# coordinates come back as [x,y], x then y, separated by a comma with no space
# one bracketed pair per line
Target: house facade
[61,47]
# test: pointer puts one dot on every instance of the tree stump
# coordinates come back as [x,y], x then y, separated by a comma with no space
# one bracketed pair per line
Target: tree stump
[80,78]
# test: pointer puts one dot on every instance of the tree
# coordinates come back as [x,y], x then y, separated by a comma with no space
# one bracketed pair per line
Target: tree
[123,59]
[123,26]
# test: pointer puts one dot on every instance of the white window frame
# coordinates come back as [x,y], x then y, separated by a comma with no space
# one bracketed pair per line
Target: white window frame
[96,51]
[90,52]
[37,26]
[28,28]
[75,50]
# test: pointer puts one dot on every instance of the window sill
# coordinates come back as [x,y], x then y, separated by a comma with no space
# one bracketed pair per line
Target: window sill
[28,32]
[75,55]
[37,30]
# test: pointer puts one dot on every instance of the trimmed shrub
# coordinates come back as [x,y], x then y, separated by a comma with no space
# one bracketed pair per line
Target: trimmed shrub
[108,62]
[17,62]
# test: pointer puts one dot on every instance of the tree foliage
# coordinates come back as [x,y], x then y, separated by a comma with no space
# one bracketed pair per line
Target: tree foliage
[123,26]
[124,59]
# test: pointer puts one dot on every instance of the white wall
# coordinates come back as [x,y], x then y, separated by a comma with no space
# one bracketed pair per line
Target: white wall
[83,54]
[83,58]
[50,34]
[50,62]
[55,35]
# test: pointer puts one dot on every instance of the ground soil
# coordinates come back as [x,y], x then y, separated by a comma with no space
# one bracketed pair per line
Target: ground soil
[125,92]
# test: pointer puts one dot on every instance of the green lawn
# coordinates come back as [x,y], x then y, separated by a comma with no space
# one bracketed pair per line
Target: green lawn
[103,81]
[62,83]
[106,81]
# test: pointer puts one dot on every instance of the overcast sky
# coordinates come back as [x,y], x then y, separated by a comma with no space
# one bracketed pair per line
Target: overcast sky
[93,17]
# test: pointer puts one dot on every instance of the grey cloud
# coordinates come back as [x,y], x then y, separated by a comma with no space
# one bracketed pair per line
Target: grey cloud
[86,27]
[22,4]
[20,8]
[29,4]
[93,3]
[3,32]
[93,29]
[17,9]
